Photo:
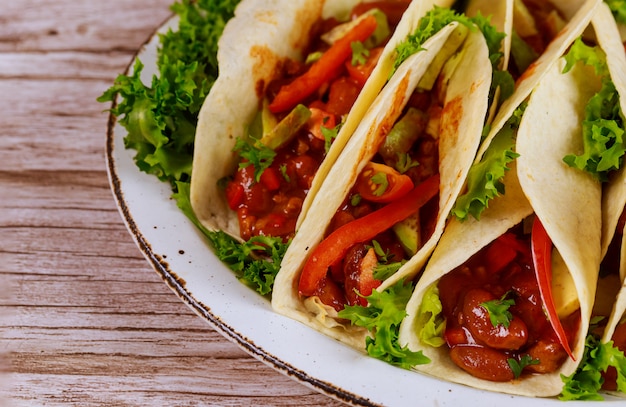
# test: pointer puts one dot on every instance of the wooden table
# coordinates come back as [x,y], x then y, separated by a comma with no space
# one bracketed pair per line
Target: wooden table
[85,320]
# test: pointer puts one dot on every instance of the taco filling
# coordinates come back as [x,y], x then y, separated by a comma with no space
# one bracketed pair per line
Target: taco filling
[492,315]
[405,167]
[301,115]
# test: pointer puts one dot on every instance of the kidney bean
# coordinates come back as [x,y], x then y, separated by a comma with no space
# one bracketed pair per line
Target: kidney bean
[483,363]
[476,320]
[550,354]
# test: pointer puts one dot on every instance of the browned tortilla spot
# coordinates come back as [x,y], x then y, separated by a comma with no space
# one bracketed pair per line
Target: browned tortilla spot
[266,65]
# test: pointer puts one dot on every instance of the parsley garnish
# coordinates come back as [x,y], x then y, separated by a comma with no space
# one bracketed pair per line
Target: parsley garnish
[257,155]
[517,366]
[405,163]
[359,53]
[380,179]
[498,310]
[329,135]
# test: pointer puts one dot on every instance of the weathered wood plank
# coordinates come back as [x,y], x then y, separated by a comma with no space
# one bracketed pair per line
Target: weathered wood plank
[84,320]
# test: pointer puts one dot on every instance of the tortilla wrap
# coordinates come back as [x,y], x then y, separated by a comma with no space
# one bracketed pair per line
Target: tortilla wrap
[566,200]
[464,112]
[252,49]
[614,192]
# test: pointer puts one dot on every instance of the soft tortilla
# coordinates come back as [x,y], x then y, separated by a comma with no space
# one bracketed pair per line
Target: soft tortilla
[463,114]
[567,201]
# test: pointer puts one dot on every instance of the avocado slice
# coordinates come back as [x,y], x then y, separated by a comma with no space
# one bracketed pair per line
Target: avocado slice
[283,132]
[408,233]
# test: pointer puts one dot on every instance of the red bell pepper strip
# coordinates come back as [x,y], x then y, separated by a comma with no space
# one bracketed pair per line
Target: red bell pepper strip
[322,70]
[541,247]
[336,245]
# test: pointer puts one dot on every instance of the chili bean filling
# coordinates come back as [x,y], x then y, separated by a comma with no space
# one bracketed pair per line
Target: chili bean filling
[501,271]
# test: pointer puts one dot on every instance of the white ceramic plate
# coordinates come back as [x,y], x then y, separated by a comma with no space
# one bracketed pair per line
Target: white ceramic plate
[183,258]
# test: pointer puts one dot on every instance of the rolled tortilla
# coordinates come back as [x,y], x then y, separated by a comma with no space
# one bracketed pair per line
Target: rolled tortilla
[566,200]
[462,121]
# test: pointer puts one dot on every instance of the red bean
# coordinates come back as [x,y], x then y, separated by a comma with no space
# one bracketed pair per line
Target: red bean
[476,319]
[483,363]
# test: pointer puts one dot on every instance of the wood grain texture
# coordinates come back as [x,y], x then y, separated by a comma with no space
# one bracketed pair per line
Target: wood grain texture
[84,320]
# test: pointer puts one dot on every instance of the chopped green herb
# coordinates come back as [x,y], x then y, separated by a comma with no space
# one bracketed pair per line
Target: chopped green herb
[359,53]
[380,179]
[517,366]
[498,310]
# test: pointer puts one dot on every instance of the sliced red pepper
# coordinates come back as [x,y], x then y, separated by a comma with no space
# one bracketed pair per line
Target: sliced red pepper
[397,185]
[501,252]
[336,245]
[541,246]
[320,72]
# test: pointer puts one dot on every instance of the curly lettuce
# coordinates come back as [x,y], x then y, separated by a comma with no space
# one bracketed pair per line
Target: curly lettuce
[485,178]
[382,318]
[586,382]
[160,120]
[603,127]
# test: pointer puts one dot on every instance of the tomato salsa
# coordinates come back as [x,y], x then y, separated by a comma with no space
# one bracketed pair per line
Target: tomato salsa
[268,202]
[495,319]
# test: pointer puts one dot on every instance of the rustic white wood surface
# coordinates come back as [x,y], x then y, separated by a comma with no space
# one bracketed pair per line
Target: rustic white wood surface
[84,320]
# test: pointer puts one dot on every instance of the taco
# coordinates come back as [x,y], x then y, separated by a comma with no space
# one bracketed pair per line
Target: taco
[505,301]
[280,111]
[606,340]
[385,202]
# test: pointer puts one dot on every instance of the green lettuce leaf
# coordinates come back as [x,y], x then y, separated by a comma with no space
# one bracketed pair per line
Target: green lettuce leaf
[382,318]
[256,262]
[586,382]
[438,18]
[430,318]
[603,126]
[161,122]
[484,180]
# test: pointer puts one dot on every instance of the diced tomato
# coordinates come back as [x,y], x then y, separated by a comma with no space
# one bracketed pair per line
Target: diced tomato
[361,72]
[455,336]
[271,179]
[342,95]
[360,282]
[234,195]
[367,186]
[320,118]
[331,294]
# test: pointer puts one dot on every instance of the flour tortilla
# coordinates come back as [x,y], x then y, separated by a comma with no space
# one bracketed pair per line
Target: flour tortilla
[614,193]
[261,36]
[464,112]
[566,200]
